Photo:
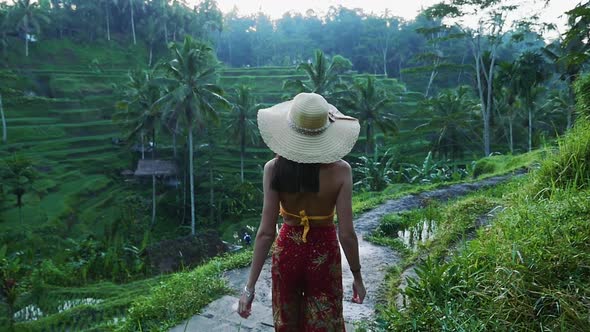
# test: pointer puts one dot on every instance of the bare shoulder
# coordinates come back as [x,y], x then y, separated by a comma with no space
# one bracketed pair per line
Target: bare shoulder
[340,169]
[269,165]
[342,166]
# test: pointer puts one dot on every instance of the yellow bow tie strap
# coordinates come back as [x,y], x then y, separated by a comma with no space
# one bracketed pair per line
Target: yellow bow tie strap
[304,220]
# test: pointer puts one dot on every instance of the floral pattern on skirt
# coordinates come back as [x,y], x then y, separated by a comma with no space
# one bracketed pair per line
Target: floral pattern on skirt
[307,280]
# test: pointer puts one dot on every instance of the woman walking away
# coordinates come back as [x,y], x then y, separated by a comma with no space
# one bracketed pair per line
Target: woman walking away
[307,183]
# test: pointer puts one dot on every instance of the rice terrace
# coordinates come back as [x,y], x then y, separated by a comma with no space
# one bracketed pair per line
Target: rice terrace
[131,162]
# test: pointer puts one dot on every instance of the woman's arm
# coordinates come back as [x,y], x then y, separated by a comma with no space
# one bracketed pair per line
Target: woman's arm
[264,237]
[347,235]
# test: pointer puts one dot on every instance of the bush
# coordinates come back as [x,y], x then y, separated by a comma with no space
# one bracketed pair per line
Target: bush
[482,167]
[570,167]
[582,88]
[393,223]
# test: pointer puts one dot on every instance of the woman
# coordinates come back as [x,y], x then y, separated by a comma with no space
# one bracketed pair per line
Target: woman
[307,183]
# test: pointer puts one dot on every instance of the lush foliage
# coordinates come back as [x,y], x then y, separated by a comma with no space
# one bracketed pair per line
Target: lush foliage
[583,96]
[517,274]
[183,295]
[82,220]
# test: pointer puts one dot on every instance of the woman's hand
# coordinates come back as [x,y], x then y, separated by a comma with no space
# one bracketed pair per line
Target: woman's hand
[358,291]
[245,304]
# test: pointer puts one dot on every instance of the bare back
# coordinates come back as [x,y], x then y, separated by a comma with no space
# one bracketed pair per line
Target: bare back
[332,177]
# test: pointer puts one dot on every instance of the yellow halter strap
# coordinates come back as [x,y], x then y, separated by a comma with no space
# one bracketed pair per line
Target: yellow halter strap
[304,220]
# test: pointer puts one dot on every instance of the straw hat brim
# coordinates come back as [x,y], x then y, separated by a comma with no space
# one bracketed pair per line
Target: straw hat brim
[327,147]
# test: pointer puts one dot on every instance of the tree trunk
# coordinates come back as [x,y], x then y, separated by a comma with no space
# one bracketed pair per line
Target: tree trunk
[153,200]
[530,128]
[26,44]
[166,33]
[510,133]
[132,22]
[485,116]
[174,134]
[108,21]
[3,118]
[4,44]
[142,146]
[211,191]
[399,68]
[430,81]
[490,82]
[242,152]
[154,143]
[385,62]
[19,203]
[151,55]
[191,179]
[369,138]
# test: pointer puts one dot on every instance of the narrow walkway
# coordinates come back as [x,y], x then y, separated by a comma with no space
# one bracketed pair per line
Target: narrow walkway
[221,316]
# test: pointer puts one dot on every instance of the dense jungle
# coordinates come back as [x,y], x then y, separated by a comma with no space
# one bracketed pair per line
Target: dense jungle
[131,163]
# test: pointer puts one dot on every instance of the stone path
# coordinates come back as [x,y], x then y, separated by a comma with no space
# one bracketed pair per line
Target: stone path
[221,315]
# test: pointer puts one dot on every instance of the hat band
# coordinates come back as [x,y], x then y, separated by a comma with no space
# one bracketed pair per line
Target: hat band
[307,131]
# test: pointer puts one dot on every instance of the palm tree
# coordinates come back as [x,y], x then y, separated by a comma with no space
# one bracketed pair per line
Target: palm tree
[29,18]
[451,116]
[3,27]
[3,120]
[569,59]
[530,71]
[243,127]
[19,174]
[370,105]
[192,96]
[141,94]
[107,14]
[506,100]
[129,5]
[321,74]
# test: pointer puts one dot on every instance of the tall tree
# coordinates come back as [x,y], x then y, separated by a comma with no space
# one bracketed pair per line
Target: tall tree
[569,54]
[29,18]
[506,97]
[141,95]
[530,71]
[3,119]
[484,42]
[3,27]
[322,74]
[451,115]
[107,14]
[19,174]
[192,97]
[130,6]
[243,126]
[372,106]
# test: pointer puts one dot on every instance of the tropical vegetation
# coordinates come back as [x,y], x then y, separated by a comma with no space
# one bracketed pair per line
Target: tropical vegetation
[130,158]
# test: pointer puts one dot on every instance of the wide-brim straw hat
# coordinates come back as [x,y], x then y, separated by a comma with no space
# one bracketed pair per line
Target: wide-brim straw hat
[308,130]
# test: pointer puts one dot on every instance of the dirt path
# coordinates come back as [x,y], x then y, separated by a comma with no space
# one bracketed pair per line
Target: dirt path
[376,260]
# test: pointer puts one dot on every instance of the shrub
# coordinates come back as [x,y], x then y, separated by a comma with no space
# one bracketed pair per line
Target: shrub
[570,167]
[483,167]
[582,88]
[392,223]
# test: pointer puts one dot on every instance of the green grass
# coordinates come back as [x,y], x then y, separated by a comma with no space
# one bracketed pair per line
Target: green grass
[115,300]
[502,165]
[529,271]
[183,295]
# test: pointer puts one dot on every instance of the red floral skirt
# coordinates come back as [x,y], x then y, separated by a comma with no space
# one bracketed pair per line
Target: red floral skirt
[307,280]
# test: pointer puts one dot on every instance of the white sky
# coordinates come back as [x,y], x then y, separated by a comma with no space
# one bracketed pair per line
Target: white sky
[404,8]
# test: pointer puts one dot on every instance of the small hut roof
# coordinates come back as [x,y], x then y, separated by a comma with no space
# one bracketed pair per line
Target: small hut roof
[148,167]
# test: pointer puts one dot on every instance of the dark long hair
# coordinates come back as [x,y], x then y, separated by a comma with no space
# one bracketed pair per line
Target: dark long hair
[293,177]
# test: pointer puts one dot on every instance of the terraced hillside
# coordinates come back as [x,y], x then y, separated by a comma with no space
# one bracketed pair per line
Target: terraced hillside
[70,137]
